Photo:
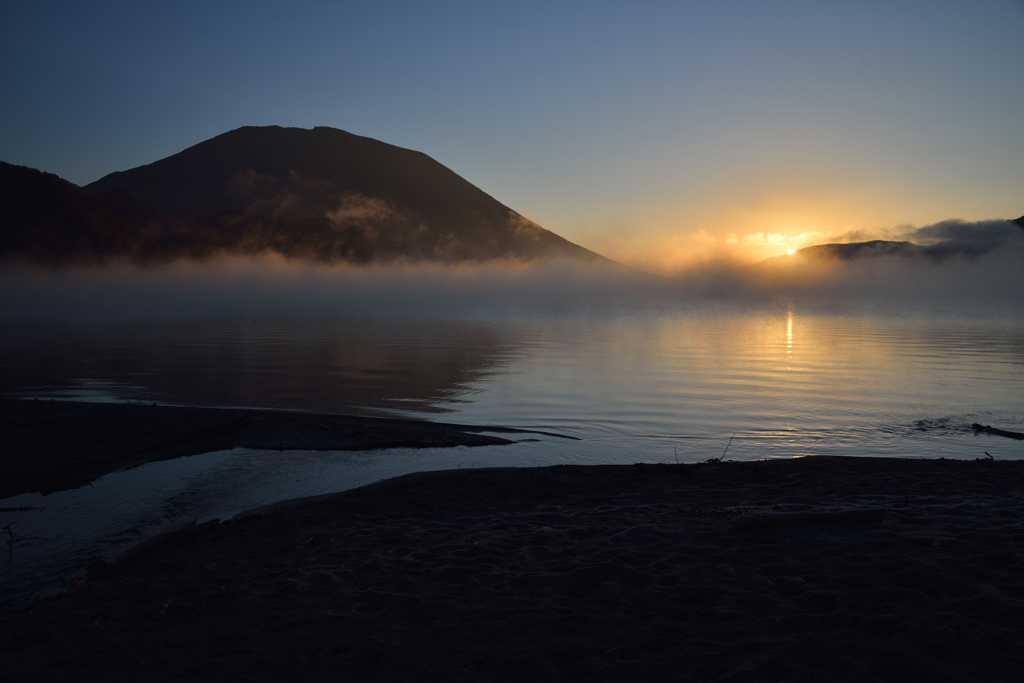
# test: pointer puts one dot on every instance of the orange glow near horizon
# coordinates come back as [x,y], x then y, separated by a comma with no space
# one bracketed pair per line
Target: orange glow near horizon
[755,217]
[675,253]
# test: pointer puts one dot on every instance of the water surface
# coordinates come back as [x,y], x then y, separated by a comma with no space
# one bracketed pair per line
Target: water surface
[746,382]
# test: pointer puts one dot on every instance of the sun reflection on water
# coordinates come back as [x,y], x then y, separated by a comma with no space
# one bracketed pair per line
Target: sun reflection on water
[789,333]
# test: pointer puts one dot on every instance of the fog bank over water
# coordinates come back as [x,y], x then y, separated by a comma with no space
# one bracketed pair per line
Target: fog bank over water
[991,282]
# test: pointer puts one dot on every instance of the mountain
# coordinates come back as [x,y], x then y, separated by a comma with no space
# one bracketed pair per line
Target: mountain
[960,239]
[853,250]
[324,195]
[46,220]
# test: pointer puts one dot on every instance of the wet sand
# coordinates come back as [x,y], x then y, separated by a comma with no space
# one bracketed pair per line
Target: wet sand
[56,445]
[818,569]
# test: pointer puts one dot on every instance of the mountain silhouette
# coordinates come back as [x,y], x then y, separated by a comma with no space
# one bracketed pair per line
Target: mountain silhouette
[962,240]
[46,220]
[324,195]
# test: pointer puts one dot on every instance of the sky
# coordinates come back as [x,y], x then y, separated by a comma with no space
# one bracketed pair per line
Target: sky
[660,134]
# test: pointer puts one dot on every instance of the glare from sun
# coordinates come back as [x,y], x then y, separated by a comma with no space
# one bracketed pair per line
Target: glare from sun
[791,252]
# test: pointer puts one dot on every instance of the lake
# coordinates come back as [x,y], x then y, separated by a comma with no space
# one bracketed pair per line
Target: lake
[685,383]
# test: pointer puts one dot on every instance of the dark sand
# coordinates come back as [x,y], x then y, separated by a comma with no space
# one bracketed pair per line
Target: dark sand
[819,569]
[55,445]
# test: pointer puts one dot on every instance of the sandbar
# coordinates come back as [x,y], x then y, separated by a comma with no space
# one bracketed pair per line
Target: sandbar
[55,445]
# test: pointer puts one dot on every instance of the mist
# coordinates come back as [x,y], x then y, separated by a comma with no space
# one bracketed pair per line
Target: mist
[978,237]
[271,285]
[953,262]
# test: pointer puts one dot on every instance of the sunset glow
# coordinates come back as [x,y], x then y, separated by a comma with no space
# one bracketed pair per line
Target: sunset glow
[613,130]
[468,341]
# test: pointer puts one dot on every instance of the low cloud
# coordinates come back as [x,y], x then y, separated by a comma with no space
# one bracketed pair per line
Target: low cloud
[290,197]
[979,236]
[269,284]
[355,209]
[524,227]
[273,285]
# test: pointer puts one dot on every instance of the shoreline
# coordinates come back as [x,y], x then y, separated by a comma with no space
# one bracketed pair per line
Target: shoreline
[57,445]
[819,568]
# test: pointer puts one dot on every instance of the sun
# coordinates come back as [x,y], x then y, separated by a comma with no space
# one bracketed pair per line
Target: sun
[791,252]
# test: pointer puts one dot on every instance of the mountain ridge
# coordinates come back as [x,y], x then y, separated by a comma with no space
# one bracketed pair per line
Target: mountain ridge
[939,251]
[329,195]
[47,220]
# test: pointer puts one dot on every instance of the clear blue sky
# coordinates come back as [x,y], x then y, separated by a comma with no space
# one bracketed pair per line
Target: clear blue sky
[629,127]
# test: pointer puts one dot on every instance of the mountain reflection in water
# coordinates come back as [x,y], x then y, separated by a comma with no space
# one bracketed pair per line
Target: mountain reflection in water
[786,381]
[323,365]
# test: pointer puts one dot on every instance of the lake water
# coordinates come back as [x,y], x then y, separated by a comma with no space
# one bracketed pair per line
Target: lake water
[688,383]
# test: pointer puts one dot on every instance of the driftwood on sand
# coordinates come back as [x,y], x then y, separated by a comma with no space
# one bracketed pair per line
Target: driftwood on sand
[998,432]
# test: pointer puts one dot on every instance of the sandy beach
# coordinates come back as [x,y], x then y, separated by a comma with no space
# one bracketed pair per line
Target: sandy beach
[816,569]
[56,445]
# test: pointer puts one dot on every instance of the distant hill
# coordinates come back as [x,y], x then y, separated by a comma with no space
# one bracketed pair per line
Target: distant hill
[323,195]
[961,240]
[854,250]
[46,220]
